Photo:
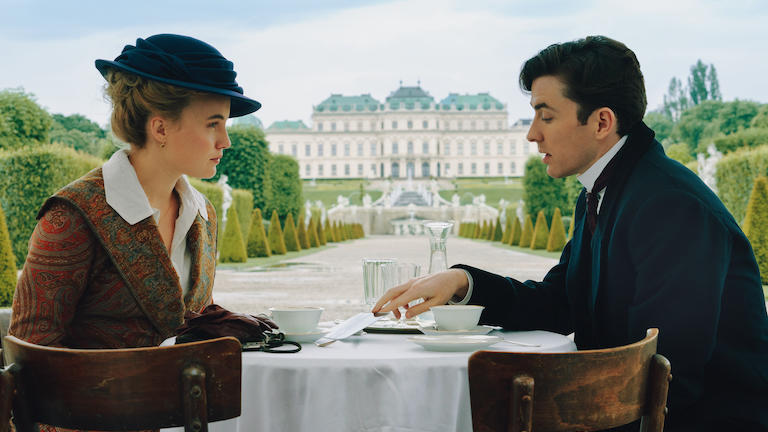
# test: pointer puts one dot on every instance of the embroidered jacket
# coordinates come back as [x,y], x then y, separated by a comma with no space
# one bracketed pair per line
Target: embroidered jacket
[91,280]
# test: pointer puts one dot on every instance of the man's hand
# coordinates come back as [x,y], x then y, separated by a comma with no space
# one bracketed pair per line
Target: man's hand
[435,289]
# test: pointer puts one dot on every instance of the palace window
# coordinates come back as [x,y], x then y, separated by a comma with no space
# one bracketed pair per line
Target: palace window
[346,170]
[320,149]
[410,147]
[320,126]
[425,147]
[294,150]
[512,168]
[280,149]
[499,148]
[333,170]
[447,148]
[360,148]
[474,148]
[394,124]
[320,170]
[487,168]
[359,170]
[500,169]
[410,124]
[474,168]
[512,147]
[527,148]
[485,125]
[307,150]
[346,126]
[447,168]
[487,148]
[373,169]
[373,148]
[346,149]
[394,147]
[461,124]
[425,124]
[333,149]
[500,125]
[359,125]
[460,148]
[307,170]
[472,125]
[333,126]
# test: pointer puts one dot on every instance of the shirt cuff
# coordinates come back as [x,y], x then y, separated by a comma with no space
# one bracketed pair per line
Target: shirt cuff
[459,301]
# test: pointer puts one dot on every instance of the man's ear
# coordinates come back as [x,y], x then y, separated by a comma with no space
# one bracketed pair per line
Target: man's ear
[605,122]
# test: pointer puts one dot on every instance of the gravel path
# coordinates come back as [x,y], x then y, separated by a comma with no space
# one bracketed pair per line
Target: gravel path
[333,278]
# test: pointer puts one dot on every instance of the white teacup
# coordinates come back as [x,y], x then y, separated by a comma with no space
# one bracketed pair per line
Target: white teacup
[296,319]
[457,317]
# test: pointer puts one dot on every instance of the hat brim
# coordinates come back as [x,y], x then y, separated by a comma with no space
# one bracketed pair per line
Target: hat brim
[240,105]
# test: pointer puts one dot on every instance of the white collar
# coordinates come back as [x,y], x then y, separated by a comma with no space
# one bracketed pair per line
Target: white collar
[126,196]
[589,177]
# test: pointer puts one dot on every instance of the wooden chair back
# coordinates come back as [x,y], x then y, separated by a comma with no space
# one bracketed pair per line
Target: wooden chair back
[573,391]
[125,389]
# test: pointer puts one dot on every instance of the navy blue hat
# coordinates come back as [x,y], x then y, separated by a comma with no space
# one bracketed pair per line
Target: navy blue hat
[186,62]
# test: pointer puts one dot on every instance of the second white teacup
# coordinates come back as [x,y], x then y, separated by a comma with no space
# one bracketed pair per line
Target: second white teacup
[296,319]
[457,317]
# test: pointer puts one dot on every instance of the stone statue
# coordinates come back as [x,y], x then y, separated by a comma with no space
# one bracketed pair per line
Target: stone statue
[307,211]
[520,216]
[366,200]
[455,200]
[708,166]
[226,201]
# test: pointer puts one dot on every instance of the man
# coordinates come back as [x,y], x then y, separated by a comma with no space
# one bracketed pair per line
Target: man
[652,247]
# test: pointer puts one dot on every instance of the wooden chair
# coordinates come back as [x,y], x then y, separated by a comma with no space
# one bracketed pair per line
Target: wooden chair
[124,389]
[574,391]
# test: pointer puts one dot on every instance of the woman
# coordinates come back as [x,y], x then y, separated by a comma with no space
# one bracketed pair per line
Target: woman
[120,254]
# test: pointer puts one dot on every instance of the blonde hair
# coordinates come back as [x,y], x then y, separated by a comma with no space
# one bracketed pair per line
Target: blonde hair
[134,99]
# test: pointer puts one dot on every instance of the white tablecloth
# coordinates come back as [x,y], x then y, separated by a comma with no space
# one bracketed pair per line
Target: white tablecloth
[373,382]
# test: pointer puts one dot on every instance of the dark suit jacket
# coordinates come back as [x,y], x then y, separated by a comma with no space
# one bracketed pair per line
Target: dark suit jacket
[666,253]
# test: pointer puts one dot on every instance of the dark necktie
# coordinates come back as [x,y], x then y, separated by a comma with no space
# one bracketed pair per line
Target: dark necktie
[593,198]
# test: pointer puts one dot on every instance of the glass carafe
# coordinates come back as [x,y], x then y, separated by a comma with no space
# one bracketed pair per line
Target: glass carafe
[438,235]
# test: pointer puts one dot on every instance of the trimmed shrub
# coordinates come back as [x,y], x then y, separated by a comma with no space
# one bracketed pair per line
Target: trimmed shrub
[484,231]
[497,231]
[30,175]
[303,237]
[275,235]
[290,235]
[540,232]
[527,234]
[330,236]
[478,230]
[258,246]
[232,246]
[507,229]
[756,224]
[556,239]
[314,240]
[321,231]
[517,232]
[7,265]
[242,200]
[735,175]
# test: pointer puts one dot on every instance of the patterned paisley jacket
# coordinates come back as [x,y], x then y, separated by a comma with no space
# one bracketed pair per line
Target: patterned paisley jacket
[91,280]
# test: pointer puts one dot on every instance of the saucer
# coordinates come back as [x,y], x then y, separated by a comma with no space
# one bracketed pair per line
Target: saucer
[477,330]
[306,337]
[454,342]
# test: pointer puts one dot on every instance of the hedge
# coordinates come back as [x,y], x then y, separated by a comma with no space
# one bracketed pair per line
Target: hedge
[232,245]
[735,175]
[314,240]
[7,265]
[527,233]
[291,235]
[497,232]
[303,235]
[556,239]
[321,238]
[31,175]
[756,224]
[258,246]
[540,231]
[517,231]
[507,229]
[275,236]
[242,200]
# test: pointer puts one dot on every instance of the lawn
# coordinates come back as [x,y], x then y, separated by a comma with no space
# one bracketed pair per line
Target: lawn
[494,190]
[328,191]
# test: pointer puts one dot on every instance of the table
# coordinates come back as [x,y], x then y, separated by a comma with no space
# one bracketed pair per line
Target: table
[372,382]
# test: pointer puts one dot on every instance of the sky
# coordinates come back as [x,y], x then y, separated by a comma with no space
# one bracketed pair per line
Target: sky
[293,54]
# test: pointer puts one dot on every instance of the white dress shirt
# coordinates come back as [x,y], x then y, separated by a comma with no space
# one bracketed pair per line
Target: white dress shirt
[587,179]
[126,196]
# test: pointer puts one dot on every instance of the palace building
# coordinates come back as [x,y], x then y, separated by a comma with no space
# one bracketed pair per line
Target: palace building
[410,134]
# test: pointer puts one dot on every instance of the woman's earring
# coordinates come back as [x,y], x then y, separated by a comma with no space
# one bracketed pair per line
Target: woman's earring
[162,144]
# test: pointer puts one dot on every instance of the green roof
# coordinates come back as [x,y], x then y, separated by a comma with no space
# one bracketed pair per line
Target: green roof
[341,103]
[471,102]
[250,120]
[409,98]
[296,125]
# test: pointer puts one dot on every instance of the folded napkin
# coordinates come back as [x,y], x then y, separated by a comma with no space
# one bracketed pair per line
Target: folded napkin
[215,321]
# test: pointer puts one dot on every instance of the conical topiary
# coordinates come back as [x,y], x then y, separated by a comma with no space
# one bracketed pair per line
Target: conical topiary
[484,230]
[756,224]
[320,232]
[478,230]
[233,247]
[314,241]
[329,232]
[497,231]
[275,235]
[303,237]
[507,229]
[540,232]
[527,233]
[556,239]
[491,228]
[257,237]
[517,231]
[290,235]
[572,224]
[7,264]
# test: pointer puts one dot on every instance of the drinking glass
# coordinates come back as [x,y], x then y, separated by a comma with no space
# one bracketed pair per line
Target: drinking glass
[438,235]
[379,275]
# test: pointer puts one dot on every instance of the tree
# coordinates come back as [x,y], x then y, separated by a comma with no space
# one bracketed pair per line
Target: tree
[286,196]
[22,121]
[540,232]
[714,84]
[679,152]
[756,224]
[661,124]
[556,239]
[7,264]
[542,192]
[246,164]
[78,122]
[527,233]
[736,115]
[676,100]
[275,235]
[257,237]
[703,84]
[699,124]
[290,235]
[761,119]
[233,247]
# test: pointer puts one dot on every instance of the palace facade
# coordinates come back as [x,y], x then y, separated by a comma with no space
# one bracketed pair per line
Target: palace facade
[410,134]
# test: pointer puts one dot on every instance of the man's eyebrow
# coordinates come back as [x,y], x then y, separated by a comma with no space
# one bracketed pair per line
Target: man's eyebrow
[216,117]
[539,106]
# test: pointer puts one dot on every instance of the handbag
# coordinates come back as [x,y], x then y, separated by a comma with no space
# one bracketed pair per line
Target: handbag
[255,332]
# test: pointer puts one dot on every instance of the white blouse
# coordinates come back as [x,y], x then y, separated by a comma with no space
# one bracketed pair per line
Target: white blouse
[126,196]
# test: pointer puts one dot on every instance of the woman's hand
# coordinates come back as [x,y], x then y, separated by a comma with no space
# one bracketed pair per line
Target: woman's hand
[436,289]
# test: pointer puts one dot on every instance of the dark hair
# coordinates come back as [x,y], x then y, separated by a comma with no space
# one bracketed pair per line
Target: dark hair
[597,72]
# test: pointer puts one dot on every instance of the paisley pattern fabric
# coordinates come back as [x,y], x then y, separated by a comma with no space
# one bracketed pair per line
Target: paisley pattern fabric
[91,280]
